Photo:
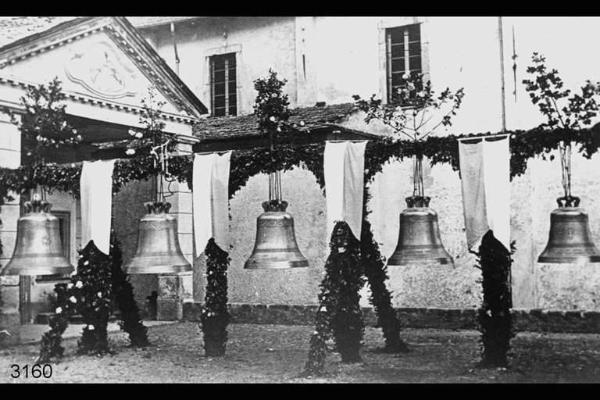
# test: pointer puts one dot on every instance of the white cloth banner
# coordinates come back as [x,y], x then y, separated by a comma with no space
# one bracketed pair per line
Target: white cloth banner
[210,198]
[96,203]
[343,165]
[485,179]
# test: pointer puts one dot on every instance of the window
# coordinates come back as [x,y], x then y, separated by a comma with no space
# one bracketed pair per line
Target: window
[223,93]
[403,54]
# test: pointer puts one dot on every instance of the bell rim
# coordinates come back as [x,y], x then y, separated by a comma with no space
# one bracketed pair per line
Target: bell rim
[420,261]
[277,264]
[39,271]
[568,260]
[157,270]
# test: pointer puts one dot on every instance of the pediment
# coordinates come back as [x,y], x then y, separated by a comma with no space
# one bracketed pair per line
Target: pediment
[103,58]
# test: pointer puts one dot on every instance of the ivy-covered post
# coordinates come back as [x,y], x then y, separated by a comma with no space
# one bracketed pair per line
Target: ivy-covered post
[339,314]
[346,322]
[92,292]
[495,322]
[317,353]
[51,348]
[215,316]
[376,273]
[130,322]
[381,298]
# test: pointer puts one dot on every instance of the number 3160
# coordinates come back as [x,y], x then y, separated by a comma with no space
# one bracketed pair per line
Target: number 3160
[35,371]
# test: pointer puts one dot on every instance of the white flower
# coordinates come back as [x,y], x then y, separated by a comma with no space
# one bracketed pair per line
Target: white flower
[100,294]
[324,309]
[272,118]
[69,286]
[58,310]
[86,262]
[301,123]
[131,132]
[74,131]
[79,285]
[341,249]
[139,135]
[274,95]
[130,152]
[90,327]
[72,299]
[406,75]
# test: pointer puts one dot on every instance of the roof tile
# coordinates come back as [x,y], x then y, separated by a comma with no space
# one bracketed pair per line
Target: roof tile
[246,125]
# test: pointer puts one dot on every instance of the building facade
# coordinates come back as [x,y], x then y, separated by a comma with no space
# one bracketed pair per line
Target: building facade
[329,59]
[325,61]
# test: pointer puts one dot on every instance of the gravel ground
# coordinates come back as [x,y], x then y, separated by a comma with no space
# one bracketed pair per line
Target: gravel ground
[277,353]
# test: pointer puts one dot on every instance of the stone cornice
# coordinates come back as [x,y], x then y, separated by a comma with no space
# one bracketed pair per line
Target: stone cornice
[122,33]
[84,99]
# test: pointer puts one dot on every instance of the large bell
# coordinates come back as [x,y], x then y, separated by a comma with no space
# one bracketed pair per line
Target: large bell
[570,240]
[38,249]
[419,241]
[275,246]
[158,250]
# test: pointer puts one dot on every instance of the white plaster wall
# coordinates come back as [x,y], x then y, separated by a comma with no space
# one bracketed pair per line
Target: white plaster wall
[262,42]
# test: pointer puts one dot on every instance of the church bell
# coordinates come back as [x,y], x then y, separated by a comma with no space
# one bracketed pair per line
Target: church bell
[419,240]
[275,246]
[158,250]
[570,239]
[38,248]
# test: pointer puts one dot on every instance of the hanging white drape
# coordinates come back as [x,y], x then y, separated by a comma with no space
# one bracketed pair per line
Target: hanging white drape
[343,166]
[485,179]
[210,199]
[96,203]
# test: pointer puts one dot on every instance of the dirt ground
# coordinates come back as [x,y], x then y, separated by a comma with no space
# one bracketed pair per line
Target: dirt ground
[277,353]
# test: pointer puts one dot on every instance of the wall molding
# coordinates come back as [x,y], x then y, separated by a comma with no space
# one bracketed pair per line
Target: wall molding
[534,320]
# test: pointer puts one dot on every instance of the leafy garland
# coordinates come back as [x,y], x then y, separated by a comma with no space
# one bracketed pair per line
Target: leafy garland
[215,316]
[246,163]
[494,316]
